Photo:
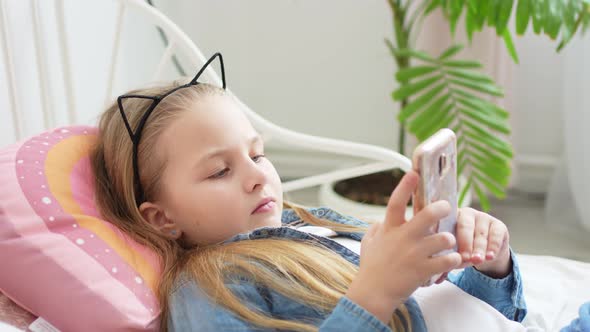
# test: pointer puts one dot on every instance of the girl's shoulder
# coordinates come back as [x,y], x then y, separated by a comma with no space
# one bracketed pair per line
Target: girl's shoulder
[185,285]
[187,298]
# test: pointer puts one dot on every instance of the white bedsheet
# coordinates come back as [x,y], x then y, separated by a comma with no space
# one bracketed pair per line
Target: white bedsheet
[554,288]
[446,307]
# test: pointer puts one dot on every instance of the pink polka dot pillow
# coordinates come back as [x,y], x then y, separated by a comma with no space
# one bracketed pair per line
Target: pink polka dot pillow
[58,258]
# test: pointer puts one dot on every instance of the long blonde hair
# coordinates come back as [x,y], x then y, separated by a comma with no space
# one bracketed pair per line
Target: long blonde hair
[306,272]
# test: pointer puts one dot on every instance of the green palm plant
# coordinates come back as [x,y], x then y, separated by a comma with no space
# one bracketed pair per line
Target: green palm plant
[443,91]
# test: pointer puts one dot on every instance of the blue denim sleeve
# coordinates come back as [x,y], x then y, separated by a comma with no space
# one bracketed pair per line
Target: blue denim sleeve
[191,310]
[582,323]
[349,316]
[506,294]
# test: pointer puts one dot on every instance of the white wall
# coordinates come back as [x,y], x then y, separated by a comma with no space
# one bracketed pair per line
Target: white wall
[320,67]
[537,104]
[567,200]
[537,91]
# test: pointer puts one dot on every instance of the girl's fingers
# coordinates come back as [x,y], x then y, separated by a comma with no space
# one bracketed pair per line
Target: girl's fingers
[443,263]
[436,243]
[480,240]
[374,228]
[369,235]
[424,220]
[396,206]
[465,231]
[496,236]
[442,278]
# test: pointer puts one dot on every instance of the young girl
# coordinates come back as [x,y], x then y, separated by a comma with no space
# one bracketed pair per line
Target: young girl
[181,169]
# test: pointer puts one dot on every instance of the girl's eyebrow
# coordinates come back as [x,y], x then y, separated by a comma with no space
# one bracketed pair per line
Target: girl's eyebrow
[220,151]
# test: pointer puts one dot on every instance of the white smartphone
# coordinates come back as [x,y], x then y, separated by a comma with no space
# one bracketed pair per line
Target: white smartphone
[435,160]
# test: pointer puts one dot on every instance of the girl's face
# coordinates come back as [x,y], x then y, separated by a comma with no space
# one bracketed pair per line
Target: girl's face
[216,182]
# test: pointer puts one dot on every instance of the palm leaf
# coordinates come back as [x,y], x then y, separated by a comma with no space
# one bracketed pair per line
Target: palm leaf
[431,125]
[492,13]
[554,18]
[486,88]
[483,199]
[462,64]
[481,104]
[414,54]
[432,6]
[499,175]
[469,75]
[585,18]
[455,8]
[448,92]
[419,102]
[489,183]
[450,52]
[504,10]
[523,15]
[495,123]
[428,113]
[510,45]
[408,90]
[500,164]
[465,190]
[412,72]
[475,147]
[470,25]
[490,141]
[538,13]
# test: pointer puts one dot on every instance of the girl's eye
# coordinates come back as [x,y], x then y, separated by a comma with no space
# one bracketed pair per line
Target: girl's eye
[220,174]
[257,158]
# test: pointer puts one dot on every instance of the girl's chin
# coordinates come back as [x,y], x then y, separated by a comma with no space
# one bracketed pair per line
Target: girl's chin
[270,220]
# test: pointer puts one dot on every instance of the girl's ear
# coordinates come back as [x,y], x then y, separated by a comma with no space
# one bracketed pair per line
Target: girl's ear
[154,214]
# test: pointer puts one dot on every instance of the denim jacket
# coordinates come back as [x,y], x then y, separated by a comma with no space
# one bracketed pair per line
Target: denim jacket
[191,310]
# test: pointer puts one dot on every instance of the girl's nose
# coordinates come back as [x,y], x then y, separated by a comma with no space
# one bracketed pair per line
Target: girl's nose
[255,177]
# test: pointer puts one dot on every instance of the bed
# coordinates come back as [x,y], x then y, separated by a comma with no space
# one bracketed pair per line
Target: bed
[67,102]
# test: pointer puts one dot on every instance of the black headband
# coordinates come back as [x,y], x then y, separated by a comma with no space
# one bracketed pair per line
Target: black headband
[136,136]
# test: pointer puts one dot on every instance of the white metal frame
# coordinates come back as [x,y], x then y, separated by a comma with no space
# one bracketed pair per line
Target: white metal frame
[378,158]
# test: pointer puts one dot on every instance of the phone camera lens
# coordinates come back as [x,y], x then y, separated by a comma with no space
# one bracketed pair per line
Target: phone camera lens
[442,164]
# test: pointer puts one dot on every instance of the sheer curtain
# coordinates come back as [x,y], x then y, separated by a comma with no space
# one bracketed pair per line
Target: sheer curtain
[568,199]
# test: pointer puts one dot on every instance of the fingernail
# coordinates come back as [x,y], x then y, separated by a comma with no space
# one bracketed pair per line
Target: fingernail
[478,256]
[490,255]
[465,256]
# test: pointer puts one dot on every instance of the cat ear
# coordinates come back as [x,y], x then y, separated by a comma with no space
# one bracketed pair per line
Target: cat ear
[194,80]
[134,135]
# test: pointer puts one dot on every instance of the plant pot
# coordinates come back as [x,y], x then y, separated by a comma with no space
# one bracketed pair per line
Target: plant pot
[327,196]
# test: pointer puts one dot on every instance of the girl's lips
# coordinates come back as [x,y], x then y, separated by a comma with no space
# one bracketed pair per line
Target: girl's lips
[266,206]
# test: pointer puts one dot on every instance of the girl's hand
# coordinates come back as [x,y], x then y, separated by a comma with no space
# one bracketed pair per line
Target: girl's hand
[483,242]
[396,256]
